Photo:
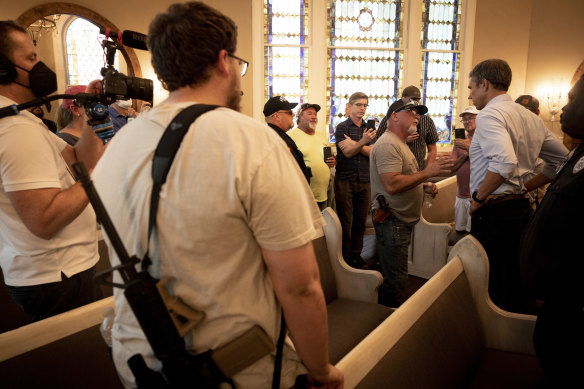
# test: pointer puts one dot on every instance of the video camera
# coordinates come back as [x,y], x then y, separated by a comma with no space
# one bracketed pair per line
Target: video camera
[114,86]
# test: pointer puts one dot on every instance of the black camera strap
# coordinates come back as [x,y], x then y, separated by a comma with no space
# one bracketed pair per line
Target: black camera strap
[163,156]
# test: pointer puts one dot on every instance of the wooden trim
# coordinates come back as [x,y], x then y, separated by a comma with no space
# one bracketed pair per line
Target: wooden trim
[40,333]
[43,10]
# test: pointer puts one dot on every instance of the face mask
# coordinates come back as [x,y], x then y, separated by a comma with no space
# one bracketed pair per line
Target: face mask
[572,118]
[125,104]
[42,81]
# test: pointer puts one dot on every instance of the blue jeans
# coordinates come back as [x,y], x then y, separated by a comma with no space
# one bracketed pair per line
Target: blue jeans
[393,238]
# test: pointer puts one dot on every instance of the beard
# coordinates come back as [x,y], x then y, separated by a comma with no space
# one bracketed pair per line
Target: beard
[234,98]
[312,126]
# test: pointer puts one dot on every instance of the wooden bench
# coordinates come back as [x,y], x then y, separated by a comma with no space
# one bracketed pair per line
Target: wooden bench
[351,294]
[449,335]
[63,351]
[429,247]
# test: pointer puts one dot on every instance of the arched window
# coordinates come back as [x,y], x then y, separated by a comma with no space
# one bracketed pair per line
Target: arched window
[84,55]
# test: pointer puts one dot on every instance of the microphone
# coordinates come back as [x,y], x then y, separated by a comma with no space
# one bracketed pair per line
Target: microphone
[128,38]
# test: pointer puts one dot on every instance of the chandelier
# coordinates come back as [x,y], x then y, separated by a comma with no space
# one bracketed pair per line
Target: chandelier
[42,26]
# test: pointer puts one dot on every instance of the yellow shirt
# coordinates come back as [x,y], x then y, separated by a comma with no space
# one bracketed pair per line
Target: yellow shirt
[311,147]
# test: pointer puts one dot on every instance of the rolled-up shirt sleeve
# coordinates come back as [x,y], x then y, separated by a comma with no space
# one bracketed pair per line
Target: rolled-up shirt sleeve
[496,146]
[553,153]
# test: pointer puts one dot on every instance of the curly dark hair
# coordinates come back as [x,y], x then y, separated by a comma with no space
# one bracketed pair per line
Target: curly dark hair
[496,71]
[185,42]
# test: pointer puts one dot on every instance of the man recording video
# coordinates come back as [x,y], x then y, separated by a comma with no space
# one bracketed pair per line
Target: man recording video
[48,236]
[236,217]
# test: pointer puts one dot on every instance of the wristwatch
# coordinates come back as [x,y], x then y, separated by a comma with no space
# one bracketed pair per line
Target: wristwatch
[475,198]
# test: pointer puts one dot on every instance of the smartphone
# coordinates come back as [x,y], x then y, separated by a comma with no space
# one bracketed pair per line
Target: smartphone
[459,133]
[371,124]
[328,152]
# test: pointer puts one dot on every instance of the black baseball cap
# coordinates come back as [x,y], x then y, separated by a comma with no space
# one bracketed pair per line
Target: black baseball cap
[308,105]
[277,103]
[529,102]
[405,104]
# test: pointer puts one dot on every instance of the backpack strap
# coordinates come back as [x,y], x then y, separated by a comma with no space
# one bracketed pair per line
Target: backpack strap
[163,157]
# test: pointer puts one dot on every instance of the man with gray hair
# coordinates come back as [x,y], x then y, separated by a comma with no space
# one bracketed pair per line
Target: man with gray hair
[424,138]
[503,154]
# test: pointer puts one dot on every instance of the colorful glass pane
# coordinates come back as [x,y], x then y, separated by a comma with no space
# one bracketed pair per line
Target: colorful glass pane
[359,59]
[440,68]
[286,58]
[85,56]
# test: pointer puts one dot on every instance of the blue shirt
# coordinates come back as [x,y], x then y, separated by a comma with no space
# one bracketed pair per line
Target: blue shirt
[355,168]
[117,119]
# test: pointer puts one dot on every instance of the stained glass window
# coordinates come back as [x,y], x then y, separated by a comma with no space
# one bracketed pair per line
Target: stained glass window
[84,54]
[440,62]
[285,49]
[364,56]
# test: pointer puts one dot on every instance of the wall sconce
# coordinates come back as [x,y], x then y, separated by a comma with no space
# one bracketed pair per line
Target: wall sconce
[555,101]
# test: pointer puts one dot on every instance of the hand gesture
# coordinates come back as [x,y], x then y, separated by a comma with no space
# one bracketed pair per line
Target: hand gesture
[346,142]
[442,165]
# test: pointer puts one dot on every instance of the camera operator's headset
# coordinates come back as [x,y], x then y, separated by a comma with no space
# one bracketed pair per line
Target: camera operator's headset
[7,70]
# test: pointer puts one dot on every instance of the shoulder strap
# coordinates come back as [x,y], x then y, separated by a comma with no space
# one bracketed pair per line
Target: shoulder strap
[164,155]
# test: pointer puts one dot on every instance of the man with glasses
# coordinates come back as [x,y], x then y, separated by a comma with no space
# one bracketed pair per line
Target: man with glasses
[279,116]
[397,191]
[236,219]
[352,188]
[424,138]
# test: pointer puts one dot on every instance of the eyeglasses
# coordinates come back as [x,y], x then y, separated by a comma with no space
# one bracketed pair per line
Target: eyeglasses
[415,98]
[287,112]
[466,120]
[242,63]
[359,105]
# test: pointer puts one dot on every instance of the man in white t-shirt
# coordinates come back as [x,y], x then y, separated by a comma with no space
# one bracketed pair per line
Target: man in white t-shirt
[48,233]
[311,144]
[236,219]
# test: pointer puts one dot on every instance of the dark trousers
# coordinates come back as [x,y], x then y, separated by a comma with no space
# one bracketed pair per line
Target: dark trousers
[42,301]
[393,239]
[498,226]
[353,201]
[559,342]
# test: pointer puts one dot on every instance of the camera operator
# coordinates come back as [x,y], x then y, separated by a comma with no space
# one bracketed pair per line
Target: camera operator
[48,237]
[236,218]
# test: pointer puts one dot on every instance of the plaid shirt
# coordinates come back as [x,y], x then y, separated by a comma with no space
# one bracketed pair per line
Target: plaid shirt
[428,136]
[355,168]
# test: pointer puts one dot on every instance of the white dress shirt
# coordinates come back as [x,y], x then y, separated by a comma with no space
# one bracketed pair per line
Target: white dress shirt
[507,141]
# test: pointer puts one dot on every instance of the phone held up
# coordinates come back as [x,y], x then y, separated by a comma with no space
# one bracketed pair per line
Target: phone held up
[459,133]
[328,152]
[371,124]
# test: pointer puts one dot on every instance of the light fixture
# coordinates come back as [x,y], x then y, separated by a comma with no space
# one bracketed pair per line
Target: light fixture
[42,26]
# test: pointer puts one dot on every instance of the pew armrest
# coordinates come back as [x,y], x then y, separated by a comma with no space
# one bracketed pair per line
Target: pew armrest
[354,284]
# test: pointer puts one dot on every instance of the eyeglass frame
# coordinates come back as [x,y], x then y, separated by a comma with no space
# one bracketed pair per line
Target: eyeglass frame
[241,62]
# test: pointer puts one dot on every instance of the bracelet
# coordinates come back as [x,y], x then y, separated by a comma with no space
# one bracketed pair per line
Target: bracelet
[475,198]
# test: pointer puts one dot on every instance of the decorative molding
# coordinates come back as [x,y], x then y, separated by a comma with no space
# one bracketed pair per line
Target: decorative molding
[44,10]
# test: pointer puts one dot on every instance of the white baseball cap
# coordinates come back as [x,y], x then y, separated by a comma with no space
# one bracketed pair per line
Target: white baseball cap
[470,109]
